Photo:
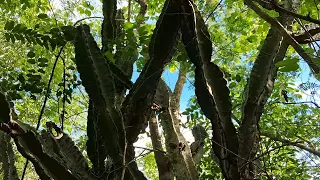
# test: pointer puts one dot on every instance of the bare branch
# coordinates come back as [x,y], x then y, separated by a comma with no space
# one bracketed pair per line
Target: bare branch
[289,142]
[162,161]
[272,5]
[275,23]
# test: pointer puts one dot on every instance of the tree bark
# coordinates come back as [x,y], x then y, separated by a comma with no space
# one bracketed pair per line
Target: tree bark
[163,164]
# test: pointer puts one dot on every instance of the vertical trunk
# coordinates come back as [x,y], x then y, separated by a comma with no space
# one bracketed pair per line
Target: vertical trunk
[164,168]
[258,90]
[178,150]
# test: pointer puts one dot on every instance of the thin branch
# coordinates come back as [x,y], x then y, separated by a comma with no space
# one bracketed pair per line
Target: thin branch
[267,152]
[179,87]
[272,5]
[215,8]
[259,167]
[64,94]
[25,169]
[48,87]
[275,23]
[93,17]
[129,10]
[307,33]
[44,103]
[280,9]
[153,150]
[304,102]
[296,144]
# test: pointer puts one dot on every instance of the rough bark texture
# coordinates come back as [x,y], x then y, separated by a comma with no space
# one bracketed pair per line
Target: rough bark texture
[163,163]
[177,148]
[7,158]
[258,90]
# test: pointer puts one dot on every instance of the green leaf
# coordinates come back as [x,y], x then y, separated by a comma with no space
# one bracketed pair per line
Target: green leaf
[43,60]
[172,67]
[9,25]
[41,71]
[110,56]
[71,67]
[81,11]
[13,39]
[31,70]
[7,36]
[316,60]
[31,54]
[128,25]
[87,12]
[42,16]
[287,62]
[290,67]
[16,28]
[43,65]
[238,78]
[31,61]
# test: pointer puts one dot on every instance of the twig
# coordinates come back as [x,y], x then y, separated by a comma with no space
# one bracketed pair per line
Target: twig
[215,8]
[48,87]
[296,144]
[129,10]
[153,150]
[308,33]
[306,18]
[259,167]
[64,93]
[303,102]
[44,103]
[315,69]
[93,17]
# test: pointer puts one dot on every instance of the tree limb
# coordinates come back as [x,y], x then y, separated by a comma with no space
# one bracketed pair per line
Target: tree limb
[272,5]
[308,34]
[162,161]
[289,142]
[315,69]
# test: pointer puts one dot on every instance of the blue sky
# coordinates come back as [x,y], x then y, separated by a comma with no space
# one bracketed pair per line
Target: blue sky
[171,79]
[187,93]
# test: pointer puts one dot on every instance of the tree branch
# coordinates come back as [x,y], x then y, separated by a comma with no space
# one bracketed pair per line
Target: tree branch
[178,88]
[275,23]
[296,144]
[272,5]
[303,102]
[162,161]
[308,34]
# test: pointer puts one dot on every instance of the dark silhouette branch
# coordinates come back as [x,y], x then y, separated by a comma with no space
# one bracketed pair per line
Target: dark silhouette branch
[162,161]
[315,69]
[272,5]
[44,102]
[303,102]
[289,142]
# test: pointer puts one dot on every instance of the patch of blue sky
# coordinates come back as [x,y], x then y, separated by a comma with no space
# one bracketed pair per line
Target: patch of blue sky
[171,79]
